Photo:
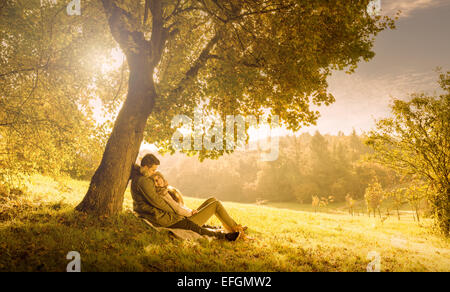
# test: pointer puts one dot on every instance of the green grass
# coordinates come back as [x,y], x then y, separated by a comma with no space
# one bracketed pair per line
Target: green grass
[38,230]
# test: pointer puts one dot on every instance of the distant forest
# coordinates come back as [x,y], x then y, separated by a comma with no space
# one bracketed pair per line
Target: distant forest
[308,165]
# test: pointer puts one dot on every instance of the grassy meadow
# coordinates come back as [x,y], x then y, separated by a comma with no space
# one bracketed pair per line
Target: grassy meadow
[38,229]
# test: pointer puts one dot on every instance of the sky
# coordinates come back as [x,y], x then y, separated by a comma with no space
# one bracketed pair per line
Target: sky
[405,62]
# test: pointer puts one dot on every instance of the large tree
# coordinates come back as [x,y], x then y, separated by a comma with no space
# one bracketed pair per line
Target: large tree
[234,57]
[416,141]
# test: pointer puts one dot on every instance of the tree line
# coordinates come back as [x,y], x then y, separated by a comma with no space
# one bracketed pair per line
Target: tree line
[308,165]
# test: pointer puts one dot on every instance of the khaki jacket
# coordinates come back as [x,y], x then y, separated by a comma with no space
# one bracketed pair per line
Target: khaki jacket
[149,205]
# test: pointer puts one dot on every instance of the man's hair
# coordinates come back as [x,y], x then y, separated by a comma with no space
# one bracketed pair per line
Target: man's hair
[149,160]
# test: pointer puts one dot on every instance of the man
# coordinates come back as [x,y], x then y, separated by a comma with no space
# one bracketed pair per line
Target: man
[149,205]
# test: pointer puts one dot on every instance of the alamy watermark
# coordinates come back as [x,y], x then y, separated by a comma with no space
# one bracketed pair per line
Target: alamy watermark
[74,266]
[374,8]
[207,132]
[73,7]
[375,264]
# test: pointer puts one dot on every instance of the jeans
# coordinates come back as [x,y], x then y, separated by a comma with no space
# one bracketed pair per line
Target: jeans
[210,208]
[206,210]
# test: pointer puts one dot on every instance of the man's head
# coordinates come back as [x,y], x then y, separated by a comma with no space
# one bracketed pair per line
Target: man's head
[149,164]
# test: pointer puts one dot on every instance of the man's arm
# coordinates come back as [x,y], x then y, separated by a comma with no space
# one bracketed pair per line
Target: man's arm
[148,190]
[180,210]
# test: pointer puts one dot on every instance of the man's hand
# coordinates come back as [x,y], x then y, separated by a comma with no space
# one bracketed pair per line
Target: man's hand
[194,212]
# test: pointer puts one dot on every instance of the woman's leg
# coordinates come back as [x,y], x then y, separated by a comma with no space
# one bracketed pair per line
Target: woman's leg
[214,208]
[207,202]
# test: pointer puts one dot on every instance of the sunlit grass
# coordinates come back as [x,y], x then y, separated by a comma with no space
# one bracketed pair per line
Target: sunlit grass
[287,239]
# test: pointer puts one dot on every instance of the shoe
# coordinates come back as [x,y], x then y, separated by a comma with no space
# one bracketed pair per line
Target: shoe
[211,227]
[240,228]
[232,236]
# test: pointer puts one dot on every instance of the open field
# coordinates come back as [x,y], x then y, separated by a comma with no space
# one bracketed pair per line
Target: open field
[39,229]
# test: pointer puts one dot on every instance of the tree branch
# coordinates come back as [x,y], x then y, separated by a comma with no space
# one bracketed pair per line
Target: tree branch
[159,32]
[39,67]
[175,10]
[131,41]
[192,73]
[210,12]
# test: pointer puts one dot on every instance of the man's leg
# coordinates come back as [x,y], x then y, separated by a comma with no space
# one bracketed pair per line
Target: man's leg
[214,208]
[187,224]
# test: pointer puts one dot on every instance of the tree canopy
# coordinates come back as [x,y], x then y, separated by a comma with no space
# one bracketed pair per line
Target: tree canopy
[245,57]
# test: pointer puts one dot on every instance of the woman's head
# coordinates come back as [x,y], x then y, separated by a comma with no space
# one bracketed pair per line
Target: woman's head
[149,164]
[159,180]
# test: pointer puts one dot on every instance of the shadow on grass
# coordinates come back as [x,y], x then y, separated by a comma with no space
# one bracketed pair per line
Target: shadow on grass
[40,238]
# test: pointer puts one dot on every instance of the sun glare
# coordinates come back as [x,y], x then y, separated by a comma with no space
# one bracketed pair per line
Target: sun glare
[113,61]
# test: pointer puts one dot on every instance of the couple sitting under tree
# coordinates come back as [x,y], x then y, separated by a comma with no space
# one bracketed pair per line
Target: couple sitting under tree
[163,205]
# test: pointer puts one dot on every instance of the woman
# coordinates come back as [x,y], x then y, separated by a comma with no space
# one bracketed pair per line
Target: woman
[160,212]
[200,216]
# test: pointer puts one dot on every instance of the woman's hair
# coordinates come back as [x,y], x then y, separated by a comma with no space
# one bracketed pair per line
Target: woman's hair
[176,195]
[173,192]
[159,174]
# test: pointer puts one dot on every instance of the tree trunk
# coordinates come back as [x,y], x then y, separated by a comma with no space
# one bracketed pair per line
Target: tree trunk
[108,185]
[447,213]
[443,210]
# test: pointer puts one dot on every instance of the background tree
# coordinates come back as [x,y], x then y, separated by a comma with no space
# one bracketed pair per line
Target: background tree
[291,178]
[315,203]
[350,203]
[415,195]
[398,198]
[326,201]
[374,197]
[416,140]
[320,163]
